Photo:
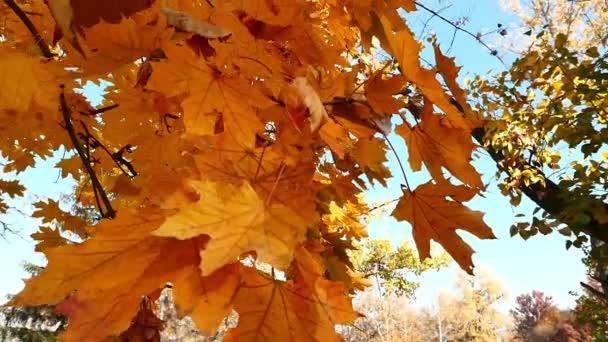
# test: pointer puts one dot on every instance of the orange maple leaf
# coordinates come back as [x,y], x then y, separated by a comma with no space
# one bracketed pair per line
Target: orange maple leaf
[380,93]
[434,217]
[406,49]
[106,276]
[435,142]
[304,309]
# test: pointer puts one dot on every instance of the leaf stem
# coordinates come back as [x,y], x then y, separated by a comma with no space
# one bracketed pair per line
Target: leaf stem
[390,144]
[384,204]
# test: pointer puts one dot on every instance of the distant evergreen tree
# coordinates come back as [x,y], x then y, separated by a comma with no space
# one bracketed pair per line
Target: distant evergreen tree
[31,324]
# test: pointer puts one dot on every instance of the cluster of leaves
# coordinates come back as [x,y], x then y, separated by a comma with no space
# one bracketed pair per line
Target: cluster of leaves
[230,131]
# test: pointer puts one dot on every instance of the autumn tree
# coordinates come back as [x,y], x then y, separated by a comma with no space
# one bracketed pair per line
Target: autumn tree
[473,313]
[32,324]
[529,310]
[394,270]
[390,317]
[386,309]
[583,22]
[236,134]
[552,99]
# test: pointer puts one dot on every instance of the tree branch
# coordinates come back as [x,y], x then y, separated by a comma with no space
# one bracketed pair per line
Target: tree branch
[44,47]
[97,187]
[550,197]
[594,291]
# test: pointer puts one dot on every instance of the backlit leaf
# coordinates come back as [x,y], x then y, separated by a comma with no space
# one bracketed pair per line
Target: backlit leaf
[435,213]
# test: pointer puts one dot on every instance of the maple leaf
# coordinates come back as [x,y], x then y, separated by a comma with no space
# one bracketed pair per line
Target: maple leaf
[113,45]
[47,238]
[304,309]
[208,92]
[336,137]
[380,92]
[51,213]
[438,144]
[406,49]
[238,221]
[25,81]
[70,166]
[371,153]
[72,16]
[13,188]
[449,71]
[106,276]
[434,217]
[207,300]
[111,242]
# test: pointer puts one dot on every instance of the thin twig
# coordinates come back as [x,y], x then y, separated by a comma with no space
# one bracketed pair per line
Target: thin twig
[458,28]
[44,47]
[99,110]
[65,110]
[116,156]
[384,204]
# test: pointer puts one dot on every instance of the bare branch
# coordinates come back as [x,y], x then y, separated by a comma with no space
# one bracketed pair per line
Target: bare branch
[97,187]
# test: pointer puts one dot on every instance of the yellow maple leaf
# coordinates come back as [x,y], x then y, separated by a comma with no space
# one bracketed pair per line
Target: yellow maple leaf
[25,81]
[449,71]
[208,92]
[238,221]
[110,45]
[70,166]
[434,217]
[370,153]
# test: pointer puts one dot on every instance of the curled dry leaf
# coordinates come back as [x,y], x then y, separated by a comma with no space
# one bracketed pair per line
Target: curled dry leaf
[188,23]
[312,101]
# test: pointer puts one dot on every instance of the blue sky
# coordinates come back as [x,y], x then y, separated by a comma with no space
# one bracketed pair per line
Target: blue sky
[541,263]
